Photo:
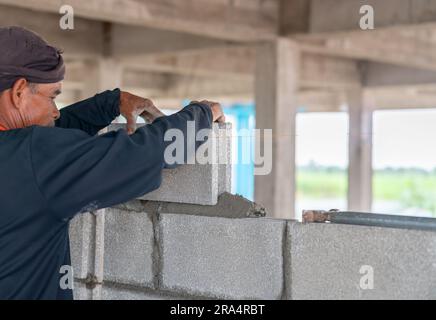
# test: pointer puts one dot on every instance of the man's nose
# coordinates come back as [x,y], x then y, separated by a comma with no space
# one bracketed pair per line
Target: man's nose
[56,113]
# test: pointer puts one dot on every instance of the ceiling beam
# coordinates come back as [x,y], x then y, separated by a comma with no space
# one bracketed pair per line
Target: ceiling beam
[239,62]
[294,16]
[229,60]
[411,46]
[87,38]
[185,87]
[404,97]
[228,20]
[158,82]
[86,41]
[128,40]
[376,75]
[344,15]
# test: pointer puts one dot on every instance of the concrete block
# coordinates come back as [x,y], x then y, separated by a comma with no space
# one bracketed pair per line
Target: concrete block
[225,152]
[96,292]
[333,261]
[100,216]
[82,244]
[80,292]
[196,183]
[189,183]
[128,247]
[110,292]
[222,258]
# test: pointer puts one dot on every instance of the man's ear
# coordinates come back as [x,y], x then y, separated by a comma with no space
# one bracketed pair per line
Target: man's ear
[17,92]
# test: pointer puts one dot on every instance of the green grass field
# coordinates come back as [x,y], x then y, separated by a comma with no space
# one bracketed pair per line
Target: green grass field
[411,188]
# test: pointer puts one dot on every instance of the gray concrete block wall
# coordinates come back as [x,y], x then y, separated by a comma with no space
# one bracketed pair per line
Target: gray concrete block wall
[80,292]
[223,258]
[225,152]
[117,292]
[148,255]
[196,183]
[128,248]
[82,244]
[188,246]
[165,256]
[114,293]
[99,254]
[199,183]
[325,262]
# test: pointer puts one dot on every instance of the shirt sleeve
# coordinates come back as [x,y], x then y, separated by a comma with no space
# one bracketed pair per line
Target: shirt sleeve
[91,115]
[77,172]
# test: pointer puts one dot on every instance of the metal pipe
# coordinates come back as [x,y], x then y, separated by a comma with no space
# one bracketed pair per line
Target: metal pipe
[370,219]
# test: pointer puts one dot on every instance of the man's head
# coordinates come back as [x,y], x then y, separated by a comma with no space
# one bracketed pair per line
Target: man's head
[31,72]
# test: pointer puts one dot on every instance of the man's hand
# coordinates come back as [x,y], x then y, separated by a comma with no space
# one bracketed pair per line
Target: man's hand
[132,106]
[217,111]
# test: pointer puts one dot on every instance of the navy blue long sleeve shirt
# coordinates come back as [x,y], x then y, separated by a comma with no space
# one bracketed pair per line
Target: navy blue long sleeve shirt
[50,174]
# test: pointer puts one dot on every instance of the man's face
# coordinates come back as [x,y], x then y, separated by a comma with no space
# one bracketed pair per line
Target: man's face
[38,104]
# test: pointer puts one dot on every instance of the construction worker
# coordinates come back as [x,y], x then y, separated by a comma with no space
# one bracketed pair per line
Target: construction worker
[53,165]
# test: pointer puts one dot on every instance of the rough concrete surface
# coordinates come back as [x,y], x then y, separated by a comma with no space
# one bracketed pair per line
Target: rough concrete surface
[128,247]
[115,292]
[324,261]
[82,244]
[189,183]
[80,292]
[196,183]
[225,151]
[223,258]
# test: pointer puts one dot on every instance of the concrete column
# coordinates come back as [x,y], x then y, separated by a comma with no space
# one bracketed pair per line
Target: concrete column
[103,74]
[360,108]
[276,86]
